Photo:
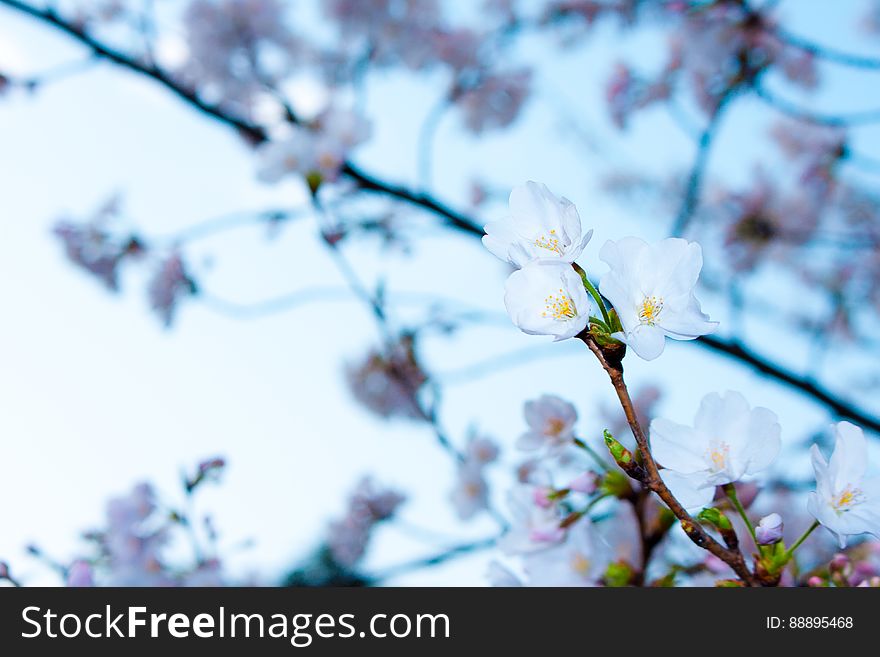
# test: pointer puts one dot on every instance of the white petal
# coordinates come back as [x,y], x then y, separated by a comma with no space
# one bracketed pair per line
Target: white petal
[849,461]
[764,439]
[677,446]
[688,489]
[647,341]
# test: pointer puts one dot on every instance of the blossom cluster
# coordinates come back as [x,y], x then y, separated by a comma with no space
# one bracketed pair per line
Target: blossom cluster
[650,292]
[136,544]
[650,286]
[369,505]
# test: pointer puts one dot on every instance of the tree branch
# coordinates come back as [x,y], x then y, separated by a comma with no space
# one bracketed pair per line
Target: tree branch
[450,217]
[652,480]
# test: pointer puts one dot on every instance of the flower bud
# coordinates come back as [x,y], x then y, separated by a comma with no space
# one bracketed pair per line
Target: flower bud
[543,497]
[769,529]
[840,564]
[815,582]
[619,573]
[722,523]
[623,457]
[4,570]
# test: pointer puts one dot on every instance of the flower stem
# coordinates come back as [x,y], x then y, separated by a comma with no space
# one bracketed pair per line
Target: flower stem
[589,450]
[789,553]
[593,293]
[730,491]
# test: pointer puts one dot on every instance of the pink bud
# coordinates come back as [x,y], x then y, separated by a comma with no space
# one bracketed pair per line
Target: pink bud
[542,496]
[839,563]
[769,529]
[815,582]
[4,570]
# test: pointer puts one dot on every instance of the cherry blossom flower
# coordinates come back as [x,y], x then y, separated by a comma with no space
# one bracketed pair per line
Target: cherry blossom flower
[230,42]
[495,102]
[651,286]
[845,502]
[388,381]
[728,441]
[318,148]
[80,575]
[169,285]
[769,529]
[471,492]
[368,505]
[574,562]
[533,527]
[547,298]
[540,226]
[295,154]
[551,423]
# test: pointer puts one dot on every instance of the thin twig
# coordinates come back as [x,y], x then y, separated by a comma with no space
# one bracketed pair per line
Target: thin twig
[654,482]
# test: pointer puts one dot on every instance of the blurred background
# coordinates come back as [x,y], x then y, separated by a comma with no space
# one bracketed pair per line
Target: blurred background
[165,305]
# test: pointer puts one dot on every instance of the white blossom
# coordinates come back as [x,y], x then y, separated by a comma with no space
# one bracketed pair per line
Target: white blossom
[540,226]
[728,441]
[573,562]
[551,423]
[651,286]
[532,527]
[845,502]
[547,298]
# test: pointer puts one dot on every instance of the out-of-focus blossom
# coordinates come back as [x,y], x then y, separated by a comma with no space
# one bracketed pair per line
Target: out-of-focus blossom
[494,102]
[651,286]
[369,505]
[573,562]
[625,94]
[586,482]
[540,226]
[93,247]
[318,149]
[237,47]
[763,222]
[471,492]
[547,298]
[131,543]
[390,31]
[769,529]
[388,381]
[845,501]
[533,527]
[728,441]
[816,150]
[551,423]
[80,574]
[169,285]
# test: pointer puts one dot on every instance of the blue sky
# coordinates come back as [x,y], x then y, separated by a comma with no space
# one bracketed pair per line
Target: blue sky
[95,396]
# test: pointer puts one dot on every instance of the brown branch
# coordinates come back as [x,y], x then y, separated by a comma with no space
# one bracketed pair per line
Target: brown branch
[370,183]
[654,482]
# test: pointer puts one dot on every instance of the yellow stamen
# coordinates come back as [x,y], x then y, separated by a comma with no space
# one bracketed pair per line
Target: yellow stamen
[651,307]
[580,564]
[551,243]
[719,456]
[554,426]
[559,306]
[849,497]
